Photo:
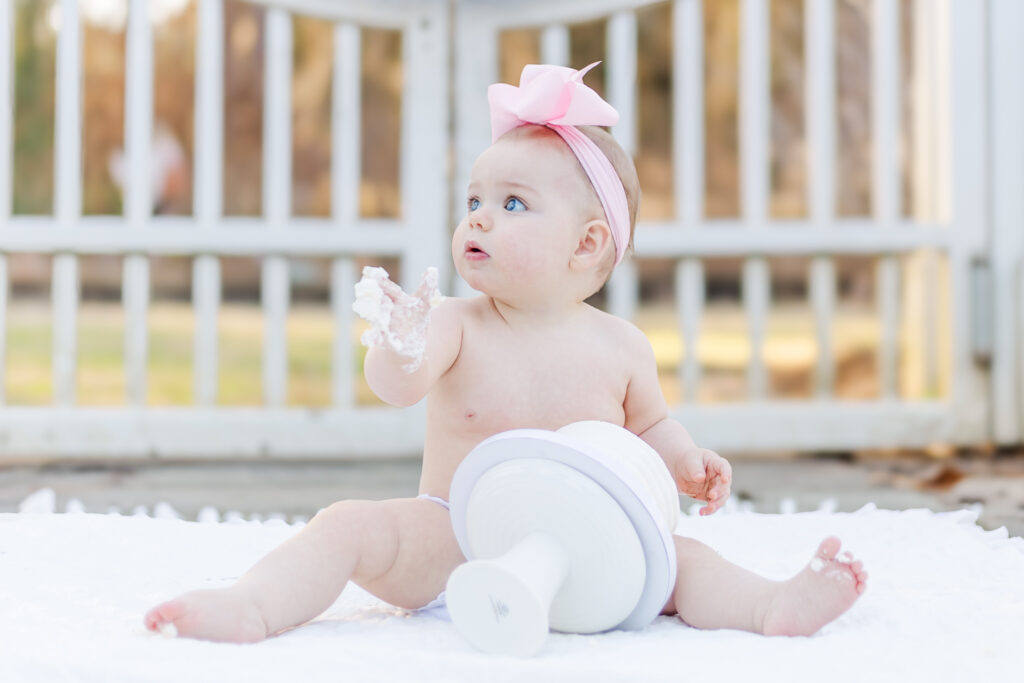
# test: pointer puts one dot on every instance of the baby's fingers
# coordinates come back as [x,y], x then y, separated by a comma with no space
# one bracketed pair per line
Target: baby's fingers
[391,290]
[690,476]
[428,285]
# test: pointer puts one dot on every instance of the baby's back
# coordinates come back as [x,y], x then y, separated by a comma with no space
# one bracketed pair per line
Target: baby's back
[536,375]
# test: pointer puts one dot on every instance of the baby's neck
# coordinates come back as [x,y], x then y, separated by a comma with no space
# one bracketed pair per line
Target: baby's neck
[546,314]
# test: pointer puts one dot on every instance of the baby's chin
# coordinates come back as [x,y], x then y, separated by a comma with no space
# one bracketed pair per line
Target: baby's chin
[474,279]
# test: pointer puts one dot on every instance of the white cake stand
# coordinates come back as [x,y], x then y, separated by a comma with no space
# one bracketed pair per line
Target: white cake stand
[568,530]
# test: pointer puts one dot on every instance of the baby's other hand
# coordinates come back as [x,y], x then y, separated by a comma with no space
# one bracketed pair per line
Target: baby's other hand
[704,475]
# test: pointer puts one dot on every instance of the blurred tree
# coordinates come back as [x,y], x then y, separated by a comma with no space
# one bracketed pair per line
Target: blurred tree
[35,55]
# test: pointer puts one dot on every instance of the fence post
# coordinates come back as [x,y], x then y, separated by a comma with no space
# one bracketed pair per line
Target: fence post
[6,108]
[138,202]
[962,186]
[67,200]
[425,124]
[6,162]
[1006,139]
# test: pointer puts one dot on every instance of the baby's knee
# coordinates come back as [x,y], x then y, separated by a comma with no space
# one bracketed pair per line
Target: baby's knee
[346,516]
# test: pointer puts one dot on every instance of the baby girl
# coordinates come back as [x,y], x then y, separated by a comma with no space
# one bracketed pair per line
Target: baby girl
[550,211]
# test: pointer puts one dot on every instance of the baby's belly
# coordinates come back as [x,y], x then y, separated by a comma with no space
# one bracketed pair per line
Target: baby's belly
[452,435]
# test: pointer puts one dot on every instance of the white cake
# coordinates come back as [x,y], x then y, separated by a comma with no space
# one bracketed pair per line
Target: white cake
[568,530]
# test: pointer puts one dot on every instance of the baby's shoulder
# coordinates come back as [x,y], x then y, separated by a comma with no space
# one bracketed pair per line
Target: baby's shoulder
[622,333]
[467,310]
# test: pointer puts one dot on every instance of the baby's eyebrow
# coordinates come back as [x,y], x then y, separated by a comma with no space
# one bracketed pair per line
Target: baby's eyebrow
[518,185]
[504,184]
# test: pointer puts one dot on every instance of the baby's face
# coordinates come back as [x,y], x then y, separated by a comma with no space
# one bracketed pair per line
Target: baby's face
[527,203]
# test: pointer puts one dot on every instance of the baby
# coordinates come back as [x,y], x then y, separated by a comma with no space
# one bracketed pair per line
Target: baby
[550,212]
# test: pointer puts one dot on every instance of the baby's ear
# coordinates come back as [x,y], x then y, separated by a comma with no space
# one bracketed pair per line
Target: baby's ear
[594,240]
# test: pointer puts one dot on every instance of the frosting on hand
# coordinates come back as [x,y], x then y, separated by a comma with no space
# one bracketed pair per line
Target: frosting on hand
[398,321]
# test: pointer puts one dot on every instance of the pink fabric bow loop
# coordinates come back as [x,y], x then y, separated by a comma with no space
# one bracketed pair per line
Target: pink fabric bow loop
[548,95]
[555,96]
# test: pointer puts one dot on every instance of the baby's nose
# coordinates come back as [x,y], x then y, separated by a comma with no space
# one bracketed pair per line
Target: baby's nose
[480,220]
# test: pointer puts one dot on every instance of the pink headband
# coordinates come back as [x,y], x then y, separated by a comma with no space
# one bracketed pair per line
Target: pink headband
[554,96]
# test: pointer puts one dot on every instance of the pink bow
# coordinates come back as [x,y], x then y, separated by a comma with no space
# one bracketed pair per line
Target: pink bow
[548,95]
[554,96]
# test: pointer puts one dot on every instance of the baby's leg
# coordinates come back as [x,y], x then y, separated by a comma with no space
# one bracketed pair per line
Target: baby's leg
[713,593]
[400,550]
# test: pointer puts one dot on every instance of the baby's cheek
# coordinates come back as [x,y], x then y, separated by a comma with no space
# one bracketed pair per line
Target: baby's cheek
[534,258]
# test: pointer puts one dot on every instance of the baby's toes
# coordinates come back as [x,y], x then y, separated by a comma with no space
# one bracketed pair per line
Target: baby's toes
[862,580]
[164,614]
[828,548]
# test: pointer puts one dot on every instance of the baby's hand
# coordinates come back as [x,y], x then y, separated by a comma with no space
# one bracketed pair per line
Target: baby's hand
[705,475]
[397,320]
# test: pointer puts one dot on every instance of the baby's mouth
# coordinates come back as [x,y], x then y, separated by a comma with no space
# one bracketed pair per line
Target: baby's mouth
[474,249]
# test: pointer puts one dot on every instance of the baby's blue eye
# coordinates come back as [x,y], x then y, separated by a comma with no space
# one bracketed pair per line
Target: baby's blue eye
[514,204]
[473,204]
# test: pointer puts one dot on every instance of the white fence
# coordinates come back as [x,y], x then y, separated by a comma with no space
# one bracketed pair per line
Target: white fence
[968,211]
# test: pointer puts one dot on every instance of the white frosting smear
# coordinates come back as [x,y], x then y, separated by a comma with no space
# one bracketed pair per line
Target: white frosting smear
[398,321]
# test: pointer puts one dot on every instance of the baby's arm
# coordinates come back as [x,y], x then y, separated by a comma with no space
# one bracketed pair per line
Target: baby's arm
[395,377]
[698,472]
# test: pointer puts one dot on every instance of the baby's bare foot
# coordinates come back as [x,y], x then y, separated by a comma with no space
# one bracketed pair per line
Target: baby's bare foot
[225,615]
[826,588]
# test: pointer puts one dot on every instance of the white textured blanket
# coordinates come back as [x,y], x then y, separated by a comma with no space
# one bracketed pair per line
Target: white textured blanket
[945,602]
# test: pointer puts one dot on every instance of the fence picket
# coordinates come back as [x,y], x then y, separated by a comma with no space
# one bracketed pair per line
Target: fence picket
[274,300]
[921,269]
[65,328]
[423,169]
[690,303]
[755,96]
[1004,203]
[820,112]
[209,113]
[6,163]
[621,70]
[823,304]
[6,109]
[4,288]
[138,200]
[688,108]
[346,154]
[555,45]
[277,184]
[753,120]
[208,195]
[886,187]
[67,199]
[277,119]
[206,305]
[346,142]
[68,106]
[136,327]
[756,301]
[886,99]
[887,300]
[343,279]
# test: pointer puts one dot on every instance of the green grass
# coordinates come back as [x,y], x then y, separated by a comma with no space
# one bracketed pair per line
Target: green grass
[790,353]
[100,371]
